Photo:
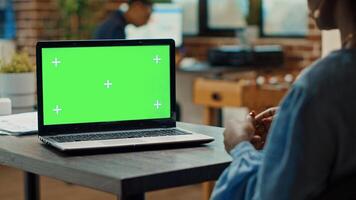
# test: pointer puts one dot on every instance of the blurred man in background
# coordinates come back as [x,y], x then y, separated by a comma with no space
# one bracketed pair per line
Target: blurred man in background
[113,27]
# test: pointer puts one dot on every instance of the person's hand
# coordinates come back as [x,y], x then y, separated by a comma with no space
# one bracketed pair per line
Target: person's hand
[236,132]
[254,129]
[261,123]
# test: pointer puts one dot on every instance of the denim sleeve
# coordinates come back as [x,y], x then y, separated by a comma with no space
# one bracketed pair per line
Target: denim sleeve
[295,162]
[239,179]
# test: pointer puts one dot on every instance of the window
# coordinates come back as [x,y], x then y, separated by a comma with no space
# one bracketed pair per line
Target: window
[223,17]
[281,18]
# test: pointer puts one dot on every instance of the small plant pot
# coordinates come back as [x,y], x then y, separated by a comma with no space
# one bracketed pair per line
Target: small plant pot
[20,88]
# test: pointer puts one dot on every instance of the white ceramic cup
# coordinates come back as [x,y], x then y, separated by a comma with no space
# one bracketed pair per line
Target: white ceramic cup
[5,106]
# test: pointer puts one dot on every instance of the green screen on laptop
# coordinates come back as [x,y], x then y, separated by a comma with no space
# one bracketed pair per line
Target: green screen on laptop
[105,84]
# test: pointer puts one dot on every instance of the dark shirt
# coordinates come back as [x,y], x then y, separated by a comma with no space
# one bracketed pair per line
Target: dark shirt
[113,27]
[311,143]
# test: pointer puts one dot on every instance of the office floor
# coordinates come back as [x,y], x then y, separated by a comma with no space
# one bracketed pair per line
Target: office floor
[11,188]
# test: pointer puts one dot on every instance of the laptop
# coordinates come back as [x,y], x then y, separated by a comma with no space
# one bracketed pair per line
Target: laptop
[108,93]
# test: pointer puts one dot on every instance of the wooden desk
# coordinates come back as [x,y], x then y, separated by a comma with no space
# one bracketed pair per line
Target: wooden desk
[215,94]
[126,174]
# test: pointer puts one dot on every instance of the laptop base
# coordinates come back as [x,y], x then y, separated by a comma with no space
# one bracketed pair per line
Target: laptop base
[127,142]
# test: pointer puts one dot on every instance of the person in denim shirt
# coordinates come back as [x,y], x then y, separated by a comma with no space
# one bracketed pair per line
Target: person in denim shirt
[311,142]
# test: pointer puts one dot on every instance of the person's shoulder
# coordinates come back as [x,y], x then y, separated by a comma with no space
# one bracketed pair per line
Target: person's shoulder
[118,13]
[115,16]
[332,72]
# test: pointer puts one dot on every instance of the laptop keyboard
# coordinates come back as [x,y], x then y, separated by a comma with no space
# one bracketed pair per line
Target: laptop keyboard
[117,135]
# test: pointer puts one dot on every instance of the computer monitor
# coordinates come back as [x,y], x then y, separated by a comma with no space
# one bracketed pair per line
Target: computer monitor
[282,18]
[190,16]
[223,17]
[225,14]
[166,22]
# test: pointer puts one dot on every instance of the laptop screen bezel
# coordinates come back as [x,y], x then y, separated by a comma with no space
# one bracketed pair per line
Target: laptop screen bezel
[45,130]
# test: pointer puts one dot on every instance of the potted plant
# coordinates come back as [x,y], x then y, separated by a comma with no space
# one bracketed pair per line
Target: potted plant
[17,82]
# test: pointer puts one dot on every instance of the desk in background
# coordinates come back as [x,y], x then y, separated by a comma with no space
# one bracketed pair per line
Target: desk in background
[216,87]
[215,94]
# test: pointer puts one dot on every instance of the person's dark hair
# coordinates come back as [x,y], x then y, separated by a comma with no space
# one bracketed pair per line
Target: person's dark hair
[353,7]
[146,2]
[323,13]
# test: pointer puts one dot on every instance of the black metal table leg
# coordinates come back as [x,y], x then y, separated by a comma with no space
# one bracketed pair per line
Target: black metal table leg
[132,197]
[32,189]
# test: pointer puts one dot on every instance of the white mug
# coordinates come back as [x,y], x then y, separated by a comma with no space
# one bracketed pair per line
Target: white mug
[5,106]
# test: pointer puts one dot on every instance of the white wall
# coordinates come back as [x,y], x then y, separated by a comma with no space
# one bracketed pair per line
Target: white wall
[330,41]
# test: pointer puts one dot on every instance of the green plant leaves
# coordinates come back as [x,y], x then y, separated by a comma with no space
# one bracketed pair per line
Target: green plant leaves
[20,63]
